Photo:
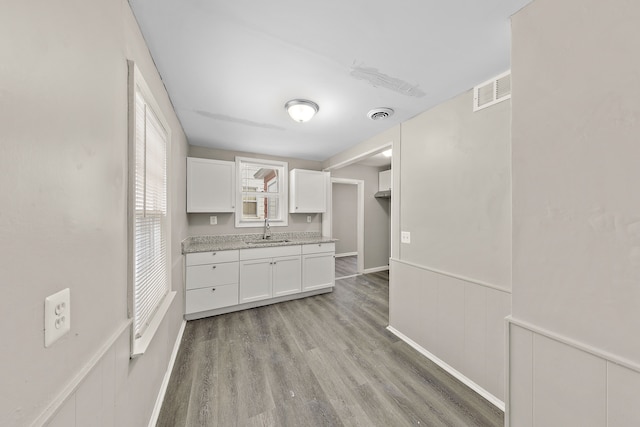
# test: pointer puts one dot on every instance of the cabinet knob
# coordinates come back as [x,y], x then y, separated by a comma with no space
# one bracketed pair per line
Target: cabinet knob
[213,253]
[213,289]
[214,267]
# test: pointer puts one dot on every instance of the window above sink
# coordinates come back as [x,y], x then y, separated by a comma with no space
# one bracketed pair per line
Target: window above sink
[261,192]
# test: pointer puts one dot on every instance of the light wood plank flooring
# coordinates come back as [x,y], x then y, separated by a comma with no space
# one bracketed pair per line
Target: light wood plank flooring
[320,361]
[346,266]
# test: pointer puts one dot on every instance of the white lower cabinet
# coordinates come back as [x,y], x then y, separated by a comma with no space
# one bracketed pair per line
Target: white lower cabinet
[278,275]
[251,275]
[256,280]
[318,266]
[211,285]
[287,276]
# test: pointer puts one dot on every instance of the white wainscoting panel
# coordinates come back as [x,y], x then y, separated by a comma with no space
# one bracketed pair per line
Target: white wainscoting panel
[415,305]
[66,415]
[94,401]
[623,397]
[497,309]
[557,381]
[451,321]
[569,385]
[456,320]
[475,336]
[520,406]
[89,398]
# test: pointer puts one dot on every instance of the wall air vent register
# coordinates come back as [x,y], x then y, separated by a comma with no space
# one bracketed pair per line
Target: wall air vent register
[492,91]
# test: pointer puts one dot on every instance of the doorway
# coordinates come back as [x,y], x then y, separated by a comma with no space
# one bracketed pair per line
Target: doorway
[347,211]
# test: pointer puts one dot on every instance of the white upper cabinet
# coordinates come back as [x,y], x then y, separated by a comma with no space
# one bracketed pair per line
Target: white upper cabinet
[210,185]
[384,180]
[308,191]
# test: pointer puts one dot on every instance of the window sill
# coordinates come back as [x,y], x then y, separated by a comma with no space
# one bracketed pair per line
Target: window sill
[260,224]
[139,345]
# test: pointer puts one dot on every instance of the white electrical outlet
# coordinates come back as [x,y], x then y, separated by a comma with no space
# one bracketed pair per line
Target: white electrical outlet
[405,237]
[213,220]
[57,316]
[308,218]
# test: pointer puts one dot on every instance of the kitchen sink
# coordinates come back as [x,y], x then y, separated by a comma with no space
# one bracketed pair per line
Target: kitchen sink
[265,241]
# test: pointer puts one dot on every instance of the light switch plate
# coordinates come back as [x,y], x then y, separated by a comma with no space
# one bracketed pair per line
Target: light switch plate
[57,316]
[308,218]
[213,220]
[405,237]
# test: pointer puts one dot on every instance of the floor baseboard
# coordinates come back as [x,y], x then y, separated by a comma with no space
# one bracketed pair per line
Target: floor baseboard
[165,381]
[375,269]
[346,254]
[472,385]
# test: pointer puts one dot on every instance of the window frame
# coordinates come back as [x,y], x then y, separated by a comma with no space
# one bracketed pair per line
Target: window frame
[282,195]
[137,84]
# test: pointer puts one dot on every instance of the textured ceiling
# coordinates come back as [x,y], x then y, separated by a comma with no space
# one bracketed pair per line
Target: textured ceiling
[230,67]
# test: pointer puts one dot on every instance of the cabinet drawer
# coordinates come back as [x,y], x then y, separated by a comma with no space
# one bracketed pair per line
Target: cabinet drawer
[199,276]
[211,298]
[270,252]
[211,257]
[318,247]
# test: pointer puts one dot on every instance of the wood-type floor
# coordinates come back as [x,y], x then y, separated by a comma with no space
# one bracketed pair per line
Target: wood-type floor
[346,266]
[325,360]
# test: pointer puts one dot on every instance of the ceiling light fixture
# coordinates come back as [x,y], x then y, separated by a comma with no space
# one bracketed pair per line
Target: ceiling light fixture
[301,110]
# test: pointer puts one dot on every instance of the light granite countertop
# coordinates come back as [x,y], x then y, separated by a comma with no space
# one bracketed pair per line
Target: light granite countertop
[229,242]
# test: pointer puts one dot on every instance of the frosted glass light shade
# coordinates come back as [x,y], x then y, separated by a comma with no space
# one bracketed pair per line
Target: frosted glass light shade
[301,110]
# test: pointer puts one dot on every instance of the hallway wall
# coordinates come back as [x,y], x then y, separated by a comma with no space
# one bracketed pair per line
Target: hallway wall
[450,287]
[574,347]
[63,215]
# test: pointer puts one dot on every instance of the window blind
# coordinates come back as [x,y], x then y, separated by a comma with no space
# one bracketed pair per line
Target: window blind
[151,282]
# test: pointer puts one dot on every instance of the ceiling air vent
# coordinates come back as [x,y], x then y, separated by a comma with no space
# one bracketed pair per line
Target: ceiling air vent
[492,91]
[380,113]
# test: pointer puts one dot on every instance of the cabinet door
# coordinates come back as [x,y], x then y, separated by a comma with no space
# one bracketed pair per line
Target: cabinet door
[255,280]
[384,180]
[210,185]
[287,276]
[318,271]
[308,191]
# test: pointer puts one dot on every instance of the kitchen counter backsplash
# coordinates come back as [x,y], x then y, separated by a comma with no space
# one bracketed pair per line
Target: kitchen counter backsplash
[238,241]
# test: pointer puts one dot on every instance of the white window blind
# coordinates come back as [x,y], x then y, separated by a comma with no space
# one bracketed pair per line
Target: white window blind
[151,283]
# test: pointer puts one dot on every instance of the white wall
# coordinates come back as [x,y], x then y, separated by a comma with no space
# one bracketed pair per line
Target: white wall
[575,352]
[455,190]
[199,222]
[450,287]
[63,213]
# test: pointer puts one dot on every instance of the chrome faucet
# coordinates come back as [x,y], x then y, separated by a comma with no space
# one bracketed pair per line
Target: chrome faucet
[267,229]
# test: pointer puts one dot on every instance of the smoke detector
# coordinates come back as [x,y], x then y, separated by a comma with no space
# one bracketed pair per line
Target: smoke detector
[380,113]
